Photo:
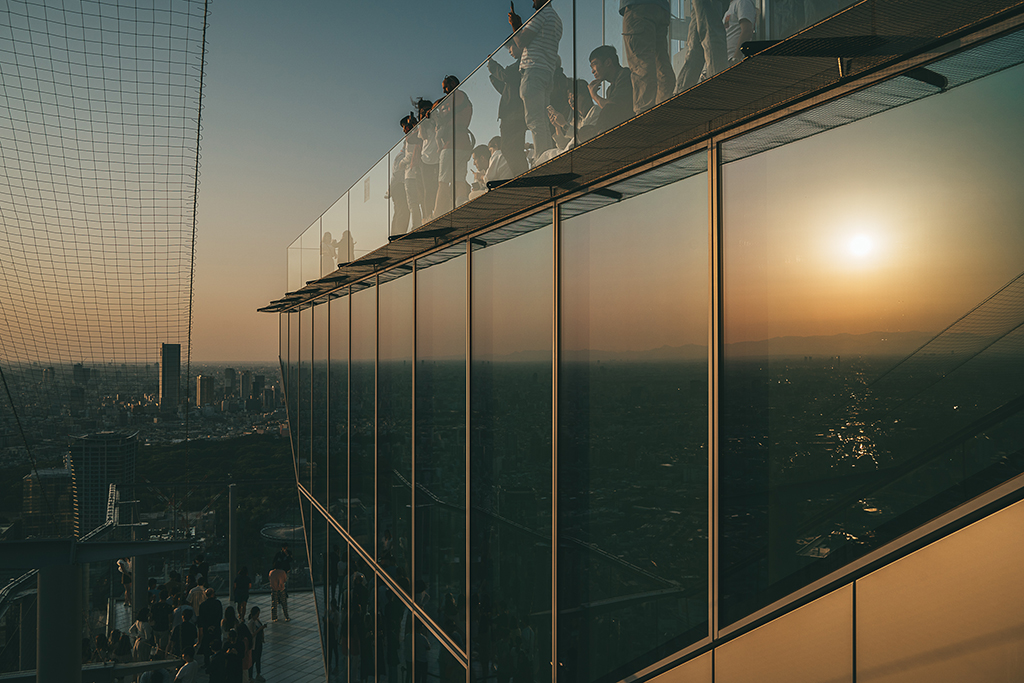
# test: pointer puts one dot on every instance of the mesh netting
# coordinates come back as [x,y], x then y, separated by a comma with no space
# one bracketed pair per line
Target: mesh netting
[99,134]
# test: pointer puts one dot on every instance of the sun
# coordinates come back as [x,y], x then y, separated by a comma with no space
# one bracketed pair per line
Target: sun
[860,246]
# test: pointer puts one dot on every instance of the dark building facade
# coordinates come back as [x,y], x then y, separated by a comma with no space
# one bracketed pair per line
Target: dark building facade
[48,507]
[731,393]
[170,377]
[96,461]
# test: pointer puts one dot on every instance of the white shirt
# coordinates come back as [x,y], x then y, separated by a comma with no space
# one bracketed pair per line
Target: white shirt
[498,168]
[737,12]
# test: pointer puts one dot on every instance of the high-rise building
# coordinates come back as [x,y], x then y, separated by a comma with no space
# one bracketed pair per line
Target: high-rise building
[48,507]
[246,387]
[230,382]
[592,424]
[205,388]
[96,461]
[170,377]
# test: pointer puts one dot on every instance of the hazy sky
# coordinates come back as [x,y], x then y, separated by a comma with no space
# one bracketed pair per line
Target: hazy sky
[287,128]
[302,99]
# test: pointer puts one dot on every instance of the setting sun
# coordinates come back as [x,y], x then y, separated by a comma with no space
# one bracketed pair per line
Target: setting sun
[861,245]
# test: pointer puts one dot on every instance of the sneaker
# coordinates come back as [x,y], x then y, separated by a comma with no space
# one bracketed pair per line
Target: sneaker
[274,619]
[287,619]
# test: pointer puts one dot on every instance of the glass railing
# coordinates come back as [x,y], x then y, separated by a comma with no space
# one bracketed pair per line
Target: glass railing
[483,130]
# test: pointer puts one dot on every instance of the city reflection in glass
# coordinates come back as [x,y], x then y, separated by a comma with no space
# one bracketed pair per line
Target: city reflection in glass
[632,431]
[872,361]
[510,454]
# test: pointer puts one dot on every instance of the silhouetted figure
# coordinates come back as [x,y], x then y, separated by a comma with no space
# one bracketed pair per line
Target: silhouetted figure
[511,114]
[454,115]
[645,26]
[538,62]
[430,157]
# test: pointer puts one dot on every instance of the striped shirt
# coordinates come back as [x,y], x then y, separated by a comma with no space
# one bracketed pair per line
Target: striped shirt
[542,52]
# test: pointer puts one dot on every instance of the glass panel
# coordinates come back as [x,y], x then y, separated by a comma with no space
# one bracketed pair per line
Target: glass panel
[336,240]
[484,164]
[318,568]
[295,280]
[401,156]
[320,422]
[452,117]
[369,209]
[304,386]
[433,661]
[362,399]
[544,48]
[441,442]
[429,155]
[292,387]
[394,429]
[633,424]
[337,645]
[311,253]
[870,377]
[786,17]
[337,502]
[361,622]
[510,468]
[393,617]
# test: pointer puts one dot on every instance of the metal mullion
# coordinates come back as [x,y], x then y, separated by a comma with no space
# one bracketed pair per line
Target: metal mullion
[556,271]
[348,419]
[715,351]
[469,396]
[376,417]
[412,441]
[379,573]
[412,446]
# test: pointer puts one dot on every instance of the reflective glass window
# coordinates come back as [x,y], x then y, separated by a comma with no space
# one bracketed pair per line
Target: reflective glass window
[440,529]
[394,428]
[633,431]
[319,420]
[337,503]
[872,333]
[510,450]
[362,412]
[304,390]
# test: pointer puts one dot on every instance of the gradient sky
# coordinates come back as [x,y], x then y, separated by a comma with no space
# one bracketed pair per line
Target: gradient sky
[287,129]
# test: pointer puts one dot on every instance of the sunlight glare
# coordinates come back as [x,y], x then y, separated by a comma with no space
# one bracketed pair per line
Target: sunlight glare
[861,245]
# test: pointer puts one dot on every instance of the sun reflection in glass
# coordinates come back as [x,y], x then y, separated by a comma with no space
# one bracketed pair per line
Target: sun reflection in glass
[860,246]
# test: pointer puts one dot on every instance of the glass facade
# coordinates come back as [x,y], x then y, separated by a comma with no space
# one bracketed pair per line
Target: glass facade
[635,421]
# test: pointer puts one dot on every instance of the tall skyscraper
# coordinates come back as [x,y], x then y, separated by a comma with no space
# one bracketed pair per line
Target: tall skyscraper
[246,384]
[96,461]
[170,377]
[204,390]
[48,507]
[230,382]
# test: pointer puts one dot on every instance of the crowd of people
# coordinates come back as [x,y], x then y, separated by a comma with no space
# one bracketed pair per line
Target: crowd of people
[185,619]
[535,95]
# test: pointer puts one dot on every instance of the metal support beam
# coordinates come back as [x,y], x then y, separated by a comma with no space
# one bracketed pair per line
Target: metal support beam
[59,647]
[232,543]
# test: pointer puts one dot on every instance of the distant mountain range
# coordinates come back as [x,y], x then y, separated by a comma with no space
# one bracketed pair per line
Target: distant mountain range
[868,344]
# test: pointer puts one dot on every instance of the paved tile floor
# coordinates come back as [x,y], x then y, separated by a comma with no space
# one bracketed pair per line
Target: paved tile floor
[291,652]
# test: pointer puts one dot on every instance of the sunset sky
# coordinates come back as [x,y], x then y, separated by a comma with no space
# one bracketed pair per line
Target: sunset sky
[901,222]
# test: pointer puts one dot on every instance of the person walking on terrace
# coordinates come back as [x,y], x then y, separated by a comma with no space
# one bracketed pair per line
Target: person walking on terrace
[278,592]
